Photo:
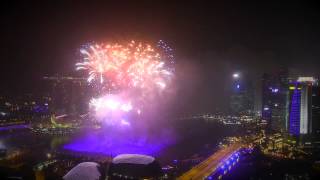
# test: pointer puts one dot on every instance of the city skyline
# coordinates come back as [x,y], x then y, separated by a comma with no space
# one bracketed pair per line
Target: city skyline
[214,42]
[164,89]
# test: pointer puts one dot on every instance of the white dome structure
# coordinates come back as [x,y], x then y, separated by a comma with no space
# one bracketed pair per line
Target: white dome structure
[134,166]
[133,159]
[84,171]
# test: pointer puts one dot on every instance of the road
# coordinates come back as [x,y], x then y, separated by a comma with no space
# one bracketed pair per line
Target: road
[208,166]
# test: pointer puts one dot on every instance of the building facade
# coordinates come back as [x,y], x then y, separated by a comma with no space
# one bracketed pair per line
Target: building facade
[242,97]
[274,94]
[304,107]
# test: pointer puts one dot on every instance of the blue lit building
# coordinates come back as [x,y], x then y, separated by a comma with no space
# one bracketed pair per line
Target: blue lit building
[302,106]
[294,108]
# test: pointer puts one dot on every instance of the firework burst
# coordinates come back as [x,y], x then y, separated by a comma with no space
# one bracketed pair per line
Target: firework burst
[135,69]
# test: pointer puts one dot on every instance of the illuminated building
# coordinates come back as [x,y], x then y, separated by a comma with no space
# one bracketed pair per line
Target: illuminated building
[23,109]
[303,106]
[294,110]
[274,93]
[241,99]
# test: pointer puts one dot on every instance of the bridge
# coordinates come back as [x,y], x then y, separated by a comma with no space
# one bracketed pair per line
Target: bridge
[211,164]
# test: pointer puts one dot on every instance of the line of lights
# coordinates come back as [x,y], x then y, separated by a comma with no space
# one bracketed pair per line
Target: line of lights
[226,165]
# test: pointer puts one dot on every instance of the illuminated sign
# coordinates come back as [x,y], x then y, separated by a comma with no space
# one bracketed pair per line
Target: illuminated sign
[306,79]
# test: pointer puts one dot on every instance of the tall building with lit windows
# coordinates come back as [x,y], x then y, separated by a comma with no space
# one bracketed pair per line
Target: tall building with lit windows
[274,93]
[242,95]
[301,106]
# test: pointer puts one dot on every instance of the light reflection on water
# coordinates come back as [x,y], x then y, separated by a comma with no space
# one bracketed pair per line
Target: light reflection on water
[115,142]
[165,144]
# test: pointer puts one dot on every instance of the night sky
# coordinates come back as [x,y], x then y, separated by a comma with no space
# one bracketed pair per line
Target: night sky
[211,40]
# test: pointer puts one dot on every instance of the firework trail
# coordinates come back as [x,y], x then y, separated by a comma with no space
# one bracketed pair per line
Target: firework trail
[167,55]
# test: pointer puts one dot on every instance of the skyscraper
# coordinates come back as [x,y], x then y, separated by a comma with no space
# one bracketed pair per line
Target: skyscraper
[241,99]
[274,92]
[303,105]
[294,109]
